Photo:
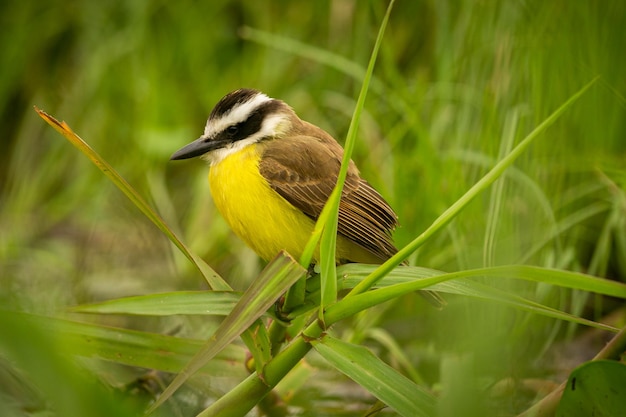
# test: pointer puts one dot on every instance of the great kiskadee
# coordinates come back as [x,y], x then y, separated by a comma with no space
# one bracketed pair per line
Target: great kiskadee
[271,174]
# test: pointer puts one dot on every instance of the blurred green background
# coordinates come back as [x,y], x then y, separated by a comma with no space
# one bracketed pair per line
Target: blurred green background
[457,82]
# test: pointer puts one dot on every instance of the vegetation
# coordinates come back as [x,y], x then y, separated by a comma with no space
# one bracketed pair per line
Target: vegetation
[495,129]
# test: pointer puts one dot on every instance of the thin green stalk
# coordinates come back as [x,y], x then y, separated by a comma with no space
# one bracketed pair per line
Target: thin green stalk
[213,279]
[247,394]
[329,234]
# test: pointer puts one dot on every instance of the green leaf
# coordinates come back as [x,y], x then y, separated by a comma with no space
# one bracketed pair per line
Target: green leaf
[212,277]
[206,303]
[37,346]
[407,279]
[478,290]
[214,303]
[295,296]
[257,340]
[309,52]
[596,389]
[330,212]
[274,280]
[559,277]
[384,382]
[388,342]
[131,347]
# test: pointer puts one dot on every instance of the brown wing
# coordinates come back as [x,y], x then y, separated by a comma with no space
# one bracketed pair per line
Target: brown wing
[304,169]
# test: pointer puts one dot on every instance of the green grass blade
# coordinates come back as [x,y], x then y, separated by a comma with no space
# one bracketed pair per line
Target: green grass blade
[475,289]
[328,246]
[209,303]
[29,342]
[240,400]
[213,279]
[273,281]
[561,278]
[402,281]
[380,379]
[496,199]
[329,234]
[257,339]
[322,56]
[295,296]
[389,343]
[462,202]
[132,347]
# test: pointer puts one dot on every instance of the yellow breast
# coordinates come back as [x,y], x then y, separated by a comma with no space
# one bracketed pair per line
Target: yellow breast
[255,212]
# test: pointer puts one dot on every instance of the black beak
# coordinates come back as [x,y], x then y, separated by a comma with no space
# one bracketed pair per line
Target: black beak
[197,147]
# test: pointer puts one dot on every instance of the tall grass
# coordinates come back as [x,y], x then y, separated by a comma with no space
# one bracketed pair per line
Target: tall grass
[456,86]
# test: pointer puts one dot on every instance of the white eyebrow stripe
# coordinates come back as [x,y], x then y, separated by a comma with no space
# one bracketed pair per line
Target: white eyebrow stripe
[272,126]
[237,114]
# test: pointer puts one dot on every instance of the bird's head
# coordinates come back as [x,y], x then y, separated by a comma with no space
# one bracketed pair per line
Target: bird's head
[241,118]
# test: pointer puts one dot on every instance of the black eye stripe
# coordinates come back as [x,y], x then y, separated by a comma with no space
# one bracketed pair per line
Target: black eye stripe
[245,129]
[252,124]
[232,130]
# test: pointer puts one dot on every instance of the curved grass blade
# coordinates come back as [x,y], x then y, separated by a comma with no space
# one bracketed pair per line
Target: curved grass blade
[131,347]
[206,303]
[561,278]
[213,279]
[404,280]
[274,280]
[305,50]
[380,379]
[29,344]
[331,208]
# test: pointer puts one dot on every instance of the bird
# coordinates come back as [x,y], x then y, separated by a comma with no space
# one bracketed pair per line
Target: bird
[271,174]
